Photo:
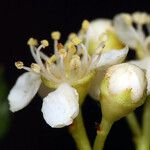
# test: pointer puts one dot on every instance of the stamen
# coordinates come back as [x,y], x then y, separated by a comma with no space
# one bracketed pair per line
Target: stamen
[60,64]
[76,41]
[60,46]
[43,56]
[85,54]
[75,68]
[35,67]
[39,61]
[75,62]
[51,60]
[71,36]
[103,37]
[45,43]
[32,42]
[97,55]
[62,53]
[55,35]
[71,48]
[85,25]
[19,65]
[66,65]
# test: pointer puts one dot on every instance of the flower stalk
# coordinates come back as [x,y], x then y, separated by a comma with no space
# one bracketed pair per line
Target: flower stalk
[77,129]
[143,142]
[102,133]
[78,132]
[134,125]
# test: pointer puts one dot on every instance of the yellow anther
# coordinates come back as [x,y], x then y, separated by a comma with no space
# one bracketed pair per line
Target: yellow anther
[71,48]
[19,64]
[72,35]
[32,42]
[76,41]
[85,25]
[55,35]
[60,46]
[45,43]
[35,67]
[75,62]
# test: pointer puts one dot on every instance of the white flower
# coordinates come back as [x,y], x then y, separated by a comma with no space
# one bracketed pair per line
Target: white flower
[144,64]
[69,64]
[134,37]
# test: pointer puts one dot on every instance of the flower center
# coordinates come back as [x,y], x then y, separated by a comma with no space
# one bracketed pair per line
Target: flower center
[70,62]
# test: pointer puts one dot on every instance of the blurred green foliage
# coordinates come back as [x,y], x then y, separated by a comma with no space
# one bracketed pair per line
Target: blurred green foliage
[4,111]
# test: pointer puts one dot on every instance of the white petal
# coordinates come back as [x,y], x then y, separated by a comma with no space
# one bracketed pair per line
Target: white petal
[125,31]
[107,59]
[96,28]
[112,57]
[94,90]
[61,106]
[23,91]
[144,64]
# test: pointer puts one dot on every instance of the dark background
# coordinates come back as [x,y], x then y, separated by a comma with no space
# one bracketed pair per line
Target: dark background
[38,18]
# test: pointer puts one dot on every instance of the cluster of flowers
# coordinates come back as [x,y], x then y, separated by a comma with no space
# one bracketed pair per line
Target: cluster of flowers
[87,64]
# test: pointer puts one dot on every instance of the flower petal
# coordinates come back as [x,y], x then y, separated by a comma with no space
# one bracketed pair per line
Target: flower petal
[96,28]
[23,91]
[112,57]
[144,64]
[107,59]
[94,90]
[125,30]
[61,106]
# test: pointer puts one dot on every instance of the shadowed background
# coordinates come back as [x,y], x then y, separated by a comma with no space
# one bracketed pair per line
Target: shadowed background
[38,18]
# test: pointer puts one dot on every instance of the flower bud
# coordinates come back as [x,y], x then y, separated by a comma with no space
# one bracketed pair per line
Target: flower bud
[122,90]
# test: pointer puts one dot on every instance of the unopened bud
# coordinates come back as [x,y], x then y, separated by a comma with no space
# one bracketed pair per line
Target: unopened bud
[122,90]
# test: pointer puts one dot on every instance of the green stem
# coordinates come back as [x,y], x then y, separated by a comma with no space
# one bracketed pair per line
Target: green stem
[144,141]
[105,127]
[134,125]
[146,120]
[78,132]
